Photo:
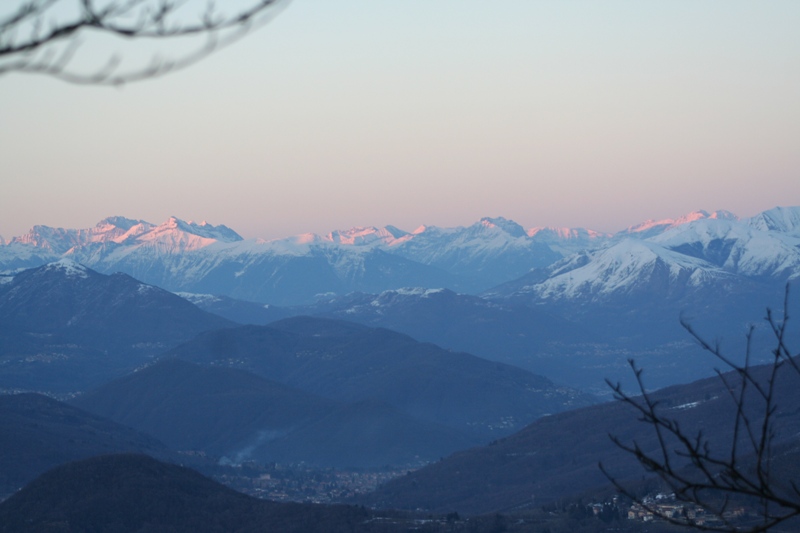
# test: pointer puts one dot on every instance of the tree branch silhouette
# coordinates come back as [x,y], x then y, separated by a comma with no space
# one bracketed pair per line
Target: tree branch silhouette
[715,479]
[43,36]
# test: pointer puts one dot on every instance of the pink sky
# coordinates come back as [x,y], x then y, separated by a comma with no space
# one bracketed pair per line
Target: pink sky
[346,113]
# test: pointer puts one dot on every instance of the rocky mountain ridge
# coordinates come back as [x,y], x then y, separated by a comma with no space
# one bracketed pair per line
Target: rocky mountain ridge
[191,257]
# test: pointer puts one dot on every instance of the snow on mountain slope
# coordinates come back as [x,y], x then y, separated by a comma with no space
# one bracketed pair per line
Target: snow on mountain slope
[285,271]
[177,236]
[625,268]
[739,246]
[782,219]
[67,268]
[186,256]
[60,240]
[568,241]
[16,255]
[367,235]
[433,245]
[490,251]
[173,236]
[651,228]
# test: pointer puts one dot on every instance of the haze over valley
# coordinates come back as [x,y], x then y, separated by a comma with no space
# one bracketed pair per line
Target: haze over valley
[375,352]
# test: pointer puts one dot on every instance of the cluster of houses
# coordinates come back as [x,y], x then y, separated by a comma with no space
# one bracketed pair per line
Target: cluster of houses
[304,484]
[666,507]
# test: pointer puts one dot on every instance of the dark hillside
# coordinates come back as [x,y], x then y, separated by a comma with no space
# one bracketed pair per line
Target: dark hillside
[239,416]
[557,456]
[66,327]
[190,407]
[349,362]
[38,433]
[135,493]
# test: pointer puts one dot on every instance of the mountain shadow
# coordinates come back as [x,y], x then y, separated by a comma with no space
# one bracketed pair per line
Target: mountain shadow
[136,493]
[557,456]
[38,433]
[237,416]
[66,327]
[348,362]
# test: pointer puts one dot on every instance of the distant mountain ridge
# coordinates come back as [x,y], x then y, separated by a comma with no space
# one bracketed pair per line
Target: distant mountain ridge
[629,289]
[351,363]
[241,417]
[202,258]
[38,433]
[64,326]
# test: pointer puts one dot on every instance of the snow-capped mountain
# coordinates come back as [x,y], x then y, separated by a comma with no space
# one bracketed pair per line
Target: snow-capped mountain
[738,247]
[651,228]
[184,256]
[669,258]
[625,268]
[60,240]
[285,271]
[551,263]
[484,254]
[16,255]
[173,236]
[65,326]
[781,219]
[567,241]
[66,298]
[368,235]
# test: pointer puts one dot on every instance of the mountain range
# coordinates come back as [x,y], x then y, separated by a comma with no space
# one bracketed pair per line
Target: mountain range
[202,258]
[366,360]
[583,301]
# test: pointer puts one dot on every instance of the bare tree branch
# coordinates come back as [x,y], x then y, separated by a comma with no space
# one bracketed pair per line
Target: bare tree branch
[710,478]
[43,36]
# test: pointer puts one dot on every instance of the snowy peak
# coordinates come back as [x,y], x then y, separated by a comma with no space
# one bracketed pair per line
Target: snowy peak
[499,223]
[549,233]
[782,219]
[567,241]
[625,268]
[67,268]
[201,257]
[649,225]
[651,228]
[60,240]
[119,224]
[408,292]
[204,229]
[56,240]
[738,246]
[722,214]
[366,235]
[118,229]
[176,235]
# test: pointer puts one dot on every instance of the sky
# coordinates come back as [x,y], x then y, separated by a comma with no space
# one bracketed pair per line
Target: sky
[356,112]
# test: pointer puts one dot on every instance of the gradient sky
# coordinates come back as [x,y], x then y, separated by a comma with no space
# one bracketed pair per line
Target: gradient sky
[357,112]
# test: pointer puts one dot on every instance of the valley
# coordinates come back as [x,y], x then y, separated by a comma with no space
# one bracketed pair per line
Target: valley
[458,372]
